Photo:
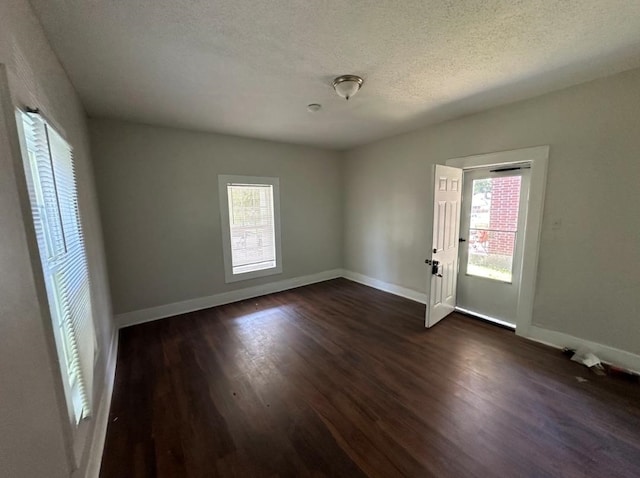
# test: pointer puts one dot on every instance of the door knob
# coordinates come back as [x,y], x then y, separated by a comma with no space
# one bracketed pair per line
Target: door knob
[462,239]
[435,267]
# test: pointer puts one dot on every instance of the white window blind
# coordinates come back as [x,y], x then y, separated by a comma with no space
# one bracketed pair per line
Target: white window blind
[252,227]
[54,203]
[251,232]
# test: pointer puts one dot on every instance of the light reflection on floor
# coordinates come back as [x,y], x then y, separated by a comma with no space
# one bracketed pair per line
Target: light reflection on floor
[265,336]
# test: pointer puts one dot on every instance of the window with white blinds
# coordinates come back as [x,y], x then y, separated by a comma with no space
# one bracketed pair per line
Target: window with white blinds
[48,161]
[250,214]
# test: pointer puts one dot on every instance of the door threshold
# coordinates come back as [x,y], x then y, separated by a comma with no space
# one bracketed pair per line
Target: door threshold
[493,320]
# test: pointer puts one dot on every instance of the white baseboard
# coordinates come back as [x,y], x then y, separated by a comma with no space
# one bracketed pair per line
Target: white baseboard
[386,286]
[606,353]
[552,338]
[183,307]
[102,415]
[549,337]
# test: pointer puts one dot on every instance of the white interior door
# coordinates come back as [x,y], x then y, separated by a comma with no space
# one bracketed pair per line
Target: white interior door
[443,264]
[493,221]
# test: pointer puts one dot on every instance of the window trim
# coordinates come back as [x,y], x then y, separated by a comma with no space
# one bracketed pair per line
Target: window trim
[223,181]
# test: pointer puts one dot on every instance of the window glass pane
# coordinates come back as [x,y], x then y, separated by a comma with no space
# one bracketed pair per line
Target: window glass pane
[495,203]
[251,220]
[491,254]
[494,224]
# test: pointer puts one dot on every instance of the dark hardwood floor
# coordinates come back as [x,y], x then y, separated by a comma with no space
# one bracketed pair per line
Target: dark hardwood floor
[338,379]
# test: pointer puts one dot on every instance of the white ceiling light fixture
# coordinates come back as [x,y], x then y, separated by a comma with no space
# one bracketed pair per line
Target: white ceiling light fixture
[347,85]
[314,107]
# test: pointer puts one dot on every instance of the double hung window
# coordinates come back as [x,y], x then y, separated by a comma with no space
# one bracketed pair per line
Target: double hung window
[250,212]
[48,163]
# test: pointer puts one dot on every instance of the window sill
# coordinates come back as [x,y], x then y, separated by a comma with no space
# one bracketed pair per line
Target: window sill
[229,278]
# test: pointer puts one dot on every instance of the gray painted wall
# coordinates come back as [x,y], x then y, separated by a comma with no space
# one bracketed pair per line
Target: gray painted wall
[588,279]
[161,217]
[158,190]
[35,435]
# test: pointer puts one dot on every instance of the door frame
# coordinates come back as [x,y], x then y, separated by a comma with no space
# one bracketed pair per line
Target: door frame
[537,158]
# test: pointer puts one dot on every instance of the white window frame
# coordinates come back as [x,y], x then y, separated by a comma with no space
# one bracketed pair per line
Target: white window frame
[223,181]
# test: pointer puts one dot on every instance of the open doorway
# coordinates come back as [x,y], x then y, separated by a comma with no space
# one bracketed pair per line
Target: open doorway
[514,274]
[492,226]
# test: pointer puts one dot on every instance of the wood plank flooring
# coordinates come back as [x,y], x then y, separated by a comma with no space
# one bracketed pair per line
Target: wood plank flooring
[338,379]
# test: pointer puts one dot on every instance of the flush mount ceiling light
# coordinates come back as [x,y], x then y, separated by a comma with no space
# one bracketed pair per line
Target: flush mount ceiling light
[347,85]
[314,107]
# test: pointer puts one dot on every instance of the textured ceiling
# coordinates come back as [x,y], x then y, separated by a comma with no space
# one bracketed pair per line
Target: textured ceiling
[251,67]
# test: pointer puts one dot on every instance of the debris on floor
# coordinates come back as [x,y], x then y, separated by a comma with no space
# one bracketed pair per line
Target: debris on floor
[581,379]
[622,373]
[587,358]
